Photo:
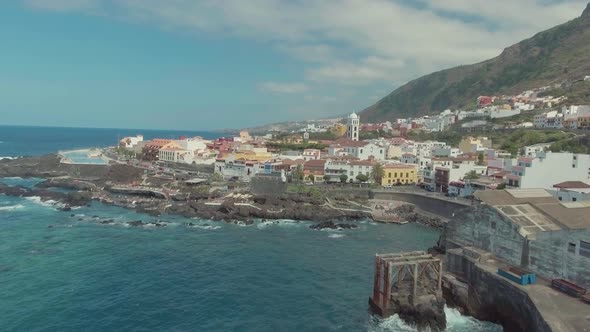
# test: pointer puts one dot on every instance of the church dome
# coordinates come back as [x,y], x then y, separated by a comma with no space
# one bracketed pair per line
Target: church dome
[353,116]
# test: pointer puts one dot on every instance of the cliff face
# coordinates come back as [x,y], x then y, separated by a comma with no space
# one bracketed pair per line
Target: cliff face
[552,56]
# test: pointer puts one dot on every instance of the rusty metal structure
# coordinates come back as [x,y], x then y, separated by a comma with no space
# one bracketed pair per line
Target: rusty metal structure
[404,277]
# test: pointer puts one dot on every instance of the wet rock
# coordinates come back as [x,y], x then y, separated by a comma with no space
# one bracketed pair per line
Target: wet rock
[332,225]
[65,208]
[136,223]
[107,221]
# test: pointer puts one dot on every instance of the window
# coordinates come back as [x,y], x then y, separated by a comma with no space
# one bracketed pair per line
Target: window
[389,174]
[395,175]
[493,225]
[571,248]
[585,249]
[574,199]
[573,165]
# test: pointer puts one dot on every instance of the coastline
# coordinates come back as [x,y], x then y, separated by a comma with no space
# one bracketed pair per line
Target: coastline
[127,186]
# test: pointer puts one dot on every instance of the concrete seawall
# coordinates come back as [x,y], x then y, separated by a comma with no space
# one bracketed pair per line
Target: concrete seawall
[433,205]
[472,284]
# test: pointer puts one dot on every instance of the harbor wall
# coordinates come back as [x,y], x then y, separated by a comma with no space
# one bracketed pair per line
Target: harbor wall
[442,207]
[487,296]
[546,253]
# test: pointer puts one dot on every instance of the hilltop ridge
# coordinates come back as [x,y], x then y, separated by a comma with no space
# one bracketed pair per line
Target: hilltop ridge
[556,55]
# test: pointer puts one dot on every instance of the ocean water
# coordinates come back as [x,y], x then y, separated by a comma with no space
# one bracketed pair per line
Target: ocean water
[60,272]
[18,141]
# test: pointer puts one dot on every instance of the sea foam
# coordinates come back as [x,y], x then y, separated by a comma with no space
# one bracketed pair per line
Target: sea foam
[12,207]
[49,203]
[336,236]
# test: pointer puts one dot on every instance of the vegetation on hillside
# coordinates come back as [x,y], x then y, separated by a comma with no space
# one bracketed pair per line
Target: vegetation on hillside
[553,56]
[511,142]
[524,137]
[576,145]
[452,138]
[576,92]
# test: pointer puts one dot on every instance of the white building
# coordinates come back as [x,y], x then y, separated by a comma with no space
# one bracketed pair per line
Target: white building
[446,151]
[353,127]
[408,158]
[549,120]
[175,154]
[241,169]
[311,154]
[532,150]
[496,112]
[334,168]
[549,168]
[571,191]
[362,150]
[130,142]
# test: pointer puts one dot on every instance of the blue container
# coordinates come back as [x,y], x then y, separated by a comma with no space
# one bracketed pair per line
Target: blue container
[513,277]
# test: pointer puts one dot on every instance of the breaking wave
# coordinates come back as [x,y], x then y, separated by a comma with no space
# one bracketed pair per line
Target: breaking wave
[49,203]
[12,207]
[456,322]
[336,236]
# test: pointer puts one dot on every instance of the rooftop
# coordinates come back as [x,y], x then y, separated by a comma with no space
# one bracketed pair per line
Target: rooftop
[571,185]
[536,210]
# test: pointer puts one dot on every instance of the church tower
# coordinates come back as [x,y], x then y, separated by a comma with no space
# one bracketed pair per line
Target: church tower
[353,127]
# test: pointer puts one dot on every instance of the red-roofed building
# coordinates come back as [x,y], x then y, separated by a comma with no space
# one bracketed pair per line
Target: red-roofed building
[151,149]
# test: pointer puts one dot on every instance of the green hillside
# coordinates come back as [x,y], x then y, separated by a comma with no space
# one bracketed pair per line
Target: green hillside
[557,55]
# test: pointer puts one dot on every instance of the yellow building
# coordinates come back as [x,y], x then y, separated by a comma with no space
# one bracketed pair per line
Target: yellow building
[397,173]
[258,154]
[338,130]
[474,144]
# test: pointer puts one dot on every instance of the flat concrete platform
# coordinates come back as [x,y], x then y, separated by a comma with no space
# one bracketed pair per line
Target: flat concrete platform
[563,313]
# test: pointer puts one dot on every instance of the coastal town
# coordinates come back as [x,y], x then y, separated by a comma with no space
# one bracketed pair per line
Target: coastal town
[283,165]
[390,155]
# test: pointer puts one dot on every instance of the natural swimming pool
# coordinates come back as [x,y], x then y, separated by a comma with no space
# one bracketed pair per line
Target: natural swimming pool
[83,157]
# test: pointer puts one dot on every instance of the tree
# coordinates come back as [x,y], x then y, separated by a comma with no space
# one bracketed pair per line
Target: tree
[501,186]
[298,173]
[327,178]
[311,178]
[471,175]
[343,178]
[362,178]
[480,161]
[377,173]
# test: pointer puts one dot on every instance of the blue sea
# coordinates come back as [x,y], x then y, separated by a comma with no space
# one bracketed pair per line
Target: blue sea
[65,271]
[18,141]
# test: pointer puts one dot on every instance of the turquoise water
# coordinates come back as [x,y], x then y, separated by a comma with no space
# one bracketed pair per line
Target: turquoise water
[83,157]
[63,273]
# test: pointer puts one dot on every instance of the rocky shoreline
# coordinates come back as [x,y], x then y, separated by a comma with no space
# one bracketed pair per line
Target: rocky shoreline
[81,184]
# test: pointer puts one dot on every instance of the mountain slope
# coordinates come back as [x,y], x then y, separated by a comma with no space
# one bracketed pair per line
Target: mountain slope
[552,56]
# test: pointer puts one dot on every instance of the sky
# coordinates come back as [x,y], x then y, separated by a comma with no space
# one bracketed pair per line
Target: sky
[215,64]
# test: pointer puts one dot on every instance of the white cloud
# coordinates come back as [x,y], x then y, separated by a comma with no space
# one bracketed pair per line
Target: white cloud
[348,44]
[278,87]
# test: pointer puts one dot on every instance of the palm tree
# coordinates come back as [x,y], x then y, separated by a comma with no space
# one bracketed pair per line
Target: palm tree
[377,173]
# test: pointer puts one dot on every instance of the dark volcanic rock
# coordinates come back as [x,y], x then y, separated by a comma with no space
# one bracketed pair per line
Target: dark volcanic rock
[332,225]
[427,314]
[136,223]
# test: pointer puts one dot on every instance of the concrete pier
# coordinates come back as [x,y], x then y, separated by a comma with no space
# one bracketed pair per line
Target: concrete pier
[409,284]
